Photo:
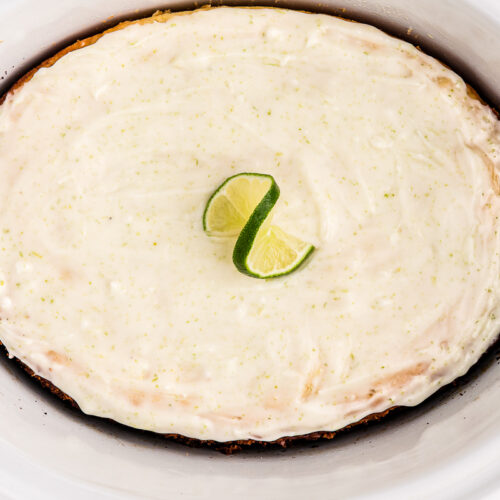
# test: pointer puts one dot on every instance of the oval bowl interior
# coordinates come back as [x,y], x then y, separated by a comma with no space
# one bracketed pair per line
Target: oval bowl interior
[448,447]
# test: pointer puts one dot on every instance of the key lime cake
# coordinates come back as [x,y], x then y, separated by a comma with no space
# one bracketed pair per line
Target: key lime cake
[241,224]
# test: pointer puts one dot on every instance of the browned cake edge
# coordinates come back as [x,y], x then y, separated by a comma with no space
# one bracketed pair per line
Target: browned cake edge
[227,447]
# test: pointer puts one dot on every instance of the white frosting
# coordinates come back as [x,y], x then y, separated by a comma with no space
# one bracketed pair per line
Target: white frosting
[110,289]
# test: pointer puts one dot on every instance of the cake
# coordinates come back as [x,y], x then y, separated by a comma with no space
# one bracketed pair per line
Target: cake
[114,296]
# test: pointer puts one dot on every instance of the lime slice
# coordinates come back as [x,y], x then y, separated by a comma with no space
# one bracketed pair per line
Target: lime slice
[241,206]
[233,202]
[271,253]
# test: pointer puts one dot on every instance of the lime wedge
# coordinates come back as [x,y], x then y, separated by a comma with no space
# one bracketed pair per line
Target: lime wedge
[241,205]
[233,202]
[272,253]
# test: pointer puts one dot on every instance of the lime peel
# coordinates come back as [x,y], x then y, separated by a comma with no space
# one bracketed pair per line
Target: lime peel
[241,206]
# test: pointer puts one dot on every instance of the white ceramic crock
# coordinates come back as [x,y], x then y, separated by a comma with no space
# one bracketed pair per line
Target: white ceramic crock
[448,448]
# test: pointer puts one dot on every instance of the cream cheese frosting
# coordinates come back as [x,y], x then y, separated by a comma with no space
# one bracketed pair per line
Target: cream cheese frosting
[110,289]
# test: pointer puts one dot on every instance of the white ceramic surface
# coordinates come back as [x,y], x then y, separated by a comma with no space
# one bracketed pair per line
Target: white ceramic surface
[449,448]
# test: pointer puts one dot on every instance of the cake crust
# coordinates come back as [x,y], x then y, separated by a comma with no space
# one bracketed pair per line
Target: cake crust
[227,447]
[230,447]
